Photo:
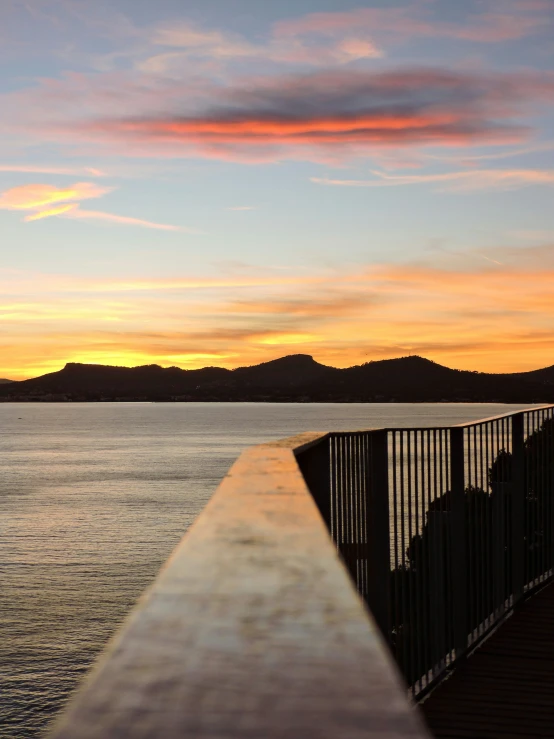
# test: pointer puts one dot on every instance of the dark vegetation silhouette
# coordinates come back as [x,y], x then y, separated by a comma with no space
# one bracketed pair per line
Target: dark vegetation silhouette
[295,378]
[422,588]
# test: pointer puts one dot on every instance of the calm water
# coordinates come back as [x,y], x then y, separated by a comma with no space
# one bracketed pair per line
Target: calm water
[93,498]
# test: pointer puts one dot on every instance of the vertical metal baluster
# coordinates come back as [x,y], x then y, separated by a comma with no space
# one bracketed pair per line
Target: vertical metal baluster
[495,528]
[517,496]
[359,539]
[333,465]
[458,616]
[435,565]
[413,630]
[418,583]
[549,494]
[422,565]
[405,575]
[487,580]
[354,507]
[533,491]
[505,520]
[341,492]
[470,543]
[395,539]
[428,563]
[528,475]
[348,501]
[363,512]
[544,461]
[352,498]
[443,549]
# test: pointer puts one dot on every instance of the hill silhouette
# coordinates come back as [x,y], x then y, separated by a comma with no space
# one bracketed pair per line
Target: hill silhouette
[4,382]
[295,378]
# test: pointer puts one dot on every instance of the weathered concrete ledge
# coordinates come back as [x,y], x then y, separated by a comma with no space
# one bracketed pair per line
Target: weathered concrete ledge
[252,629]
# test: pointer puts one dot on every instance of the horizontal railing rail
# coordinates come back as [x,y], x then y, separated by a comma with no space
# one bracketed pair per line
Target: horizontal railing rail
[252,629]
[444,530]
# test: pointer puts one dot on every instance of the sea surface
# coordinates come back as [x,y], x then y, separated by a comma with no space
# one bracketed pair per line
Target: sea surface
[94,497]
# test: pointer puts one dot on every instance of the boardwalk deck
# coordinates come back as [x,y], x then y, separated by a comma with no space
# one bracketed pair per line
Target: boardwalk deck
[506,689]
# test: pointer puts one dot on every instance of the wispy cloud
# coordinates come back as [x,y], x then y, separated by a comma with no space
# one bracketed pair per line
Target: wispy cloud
[241,207]
[416,20]
[331,38]
[46,201]
[40,169]
[469,160]
[94,215]
[464,181]
[189,41]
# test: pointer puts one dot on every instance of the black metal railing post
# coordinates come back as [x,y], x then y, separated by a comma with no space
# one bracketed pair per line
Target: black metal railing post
[315,465]
[517,498]
[458,533]
[378,531]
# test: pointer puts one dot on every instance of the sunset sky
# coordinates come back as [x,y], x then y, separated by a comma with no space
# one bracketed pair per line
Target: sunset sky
[228,181]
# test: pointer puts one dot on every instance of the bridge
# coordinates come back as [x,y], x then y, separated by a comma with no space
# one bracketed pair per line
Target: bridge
[381,583]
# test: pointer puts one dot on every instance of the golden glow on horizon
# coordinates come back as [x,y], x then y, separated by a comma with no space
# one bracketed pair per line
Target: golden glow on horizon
[496,317]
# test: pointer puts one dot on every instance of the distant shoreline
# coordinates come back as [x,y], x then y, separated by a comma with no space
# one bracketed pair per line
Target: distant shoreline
[293,379]
[129,401]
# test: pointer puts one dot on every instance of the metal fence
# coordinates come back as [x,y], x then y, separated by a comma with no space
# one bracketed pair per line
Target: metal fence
[443,530]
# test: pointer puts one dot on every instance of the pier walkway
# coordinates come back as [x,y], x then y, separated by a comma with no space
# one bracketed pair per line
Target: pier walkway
[505,690]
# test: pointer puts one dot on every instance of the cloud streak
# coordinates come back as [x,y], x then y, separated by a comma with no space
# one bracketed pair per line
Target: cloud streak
[95,215]
[38,169]
[464,181]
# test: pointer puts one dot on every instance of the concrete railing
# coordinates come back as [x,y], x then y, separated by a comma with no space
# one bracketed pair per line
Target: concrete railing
[253,628]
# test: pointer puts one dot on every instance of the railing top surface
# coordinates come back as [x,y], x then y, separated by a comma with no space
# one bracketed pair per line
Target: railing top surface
[252,629]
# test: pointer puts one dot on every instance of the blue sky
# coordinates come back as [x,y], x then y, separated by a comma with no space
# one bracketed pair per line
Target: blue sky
[228,182]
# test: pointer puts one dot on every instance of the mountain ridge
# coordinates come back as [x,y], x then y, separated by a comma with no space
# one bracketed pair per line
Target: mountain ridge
[293,378]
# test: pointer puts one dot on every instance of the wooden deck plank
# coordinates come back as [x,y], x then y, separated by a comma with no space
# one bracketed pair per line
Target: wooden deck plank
[506,689]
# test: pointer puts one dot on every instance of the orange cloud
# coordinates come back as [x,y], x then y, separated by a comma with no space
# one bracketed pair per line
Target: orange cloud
[33,197]
[37,198]
[346,112]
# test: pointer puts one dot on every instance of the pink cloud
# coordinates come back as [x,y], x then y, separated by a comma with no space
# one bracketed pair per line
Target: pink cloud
[341,113]
[516,21]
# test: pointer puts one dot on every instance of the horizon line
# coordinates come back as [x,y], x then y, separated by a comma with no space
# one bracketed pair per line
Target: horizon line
[269,361]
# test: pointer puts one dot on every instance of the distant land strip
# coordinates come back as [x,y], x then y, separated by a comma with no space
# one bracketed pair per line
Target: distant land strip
[297,378]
